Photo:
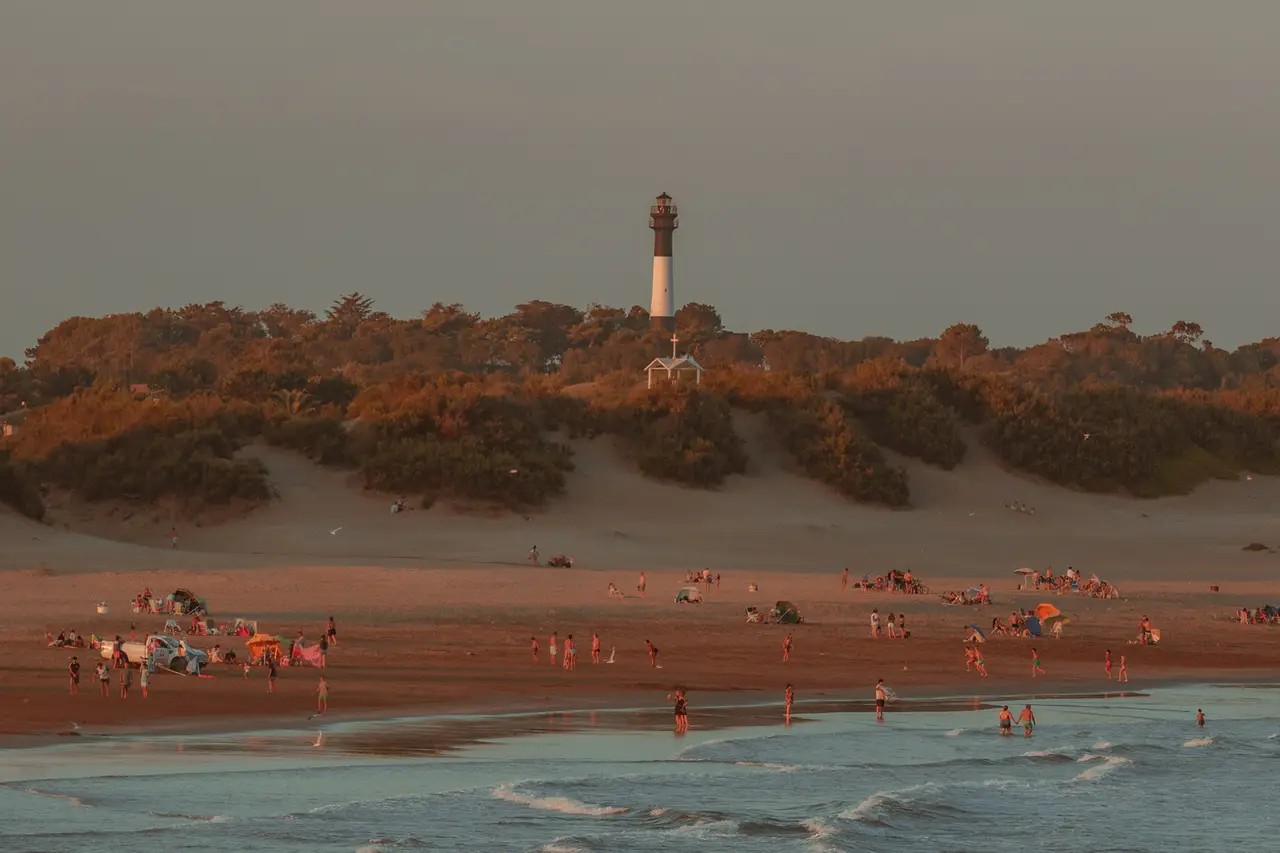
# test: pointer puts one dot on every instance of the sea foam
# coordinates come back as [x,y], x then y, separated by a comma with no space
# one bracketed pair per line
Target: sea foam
[564,805]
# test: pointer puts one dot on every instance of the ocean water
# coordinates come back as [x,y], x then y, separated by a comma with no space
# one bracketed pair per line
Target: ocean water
[1131,774]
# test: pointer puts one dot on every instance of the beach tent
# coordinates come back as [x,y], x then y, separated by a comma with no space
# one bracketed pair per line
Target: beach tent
[186,602]
[688,595]
[786,612]
[1045,610]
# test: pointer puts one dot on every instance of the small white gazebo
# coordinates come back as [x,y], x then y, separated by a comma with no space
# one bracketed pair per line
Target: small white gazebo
[675,369]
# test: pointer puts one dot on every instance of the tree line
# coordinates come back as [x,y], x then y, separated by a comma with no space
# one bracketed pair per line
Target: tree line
[451,405]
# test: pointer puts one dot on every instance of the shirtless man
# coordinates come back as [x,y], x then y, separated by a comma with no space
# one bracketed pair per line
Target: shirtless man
[553,646]
[533,644]
[641,585]
[1028,720]
[790,700]
[881,697]
[1006,722]
[786,648]
[595,647]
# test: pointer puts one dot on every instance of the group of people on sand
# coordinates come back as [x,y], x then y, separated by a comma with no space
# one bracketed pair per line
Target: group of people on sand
[895,627]
[102,675]
[895,581]
[1266,615]
[569,660]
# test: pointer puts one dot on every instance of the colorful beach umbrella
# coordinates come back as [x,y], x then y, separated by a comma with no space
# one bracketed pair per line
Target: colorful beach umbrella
[975,629]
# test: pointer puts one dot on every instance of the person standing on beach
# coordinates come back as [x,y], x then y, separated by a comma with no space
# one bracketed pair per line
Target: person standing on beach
[332,631]
[1200,717]
[552,646]
[790,698]
[1037,669]
[173,537]
[322,696]
[1028,720]
[126,681]
[786,648]
[104,680]
[570,653]
[595,647]
[844,579]
[73,675]
[324,650]
[533,644]
[875,623]
[1124,671]
[1006,722]
[1107,664]
[641,585]
[893,626]
[144,678]
[653,653]
[881,697]
[272,672]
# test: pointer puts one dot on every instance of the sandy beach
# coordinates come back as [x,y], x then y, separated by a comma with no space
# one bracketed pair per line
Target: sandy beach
[435,609]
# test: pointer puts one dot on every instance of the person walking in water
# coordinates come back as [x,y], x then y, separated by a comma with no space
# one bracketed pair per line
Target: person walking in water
[786,648]
[1036,668]
[1028,720]
[1107,664]
[882,696]
[322,696]
[790,698]
[1200,717]
[1006,722]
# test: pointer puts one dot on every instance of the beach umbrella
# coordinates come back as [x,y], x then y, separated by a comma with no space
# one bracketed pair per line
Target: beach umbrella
[1058,619]
[975,629]
[1045,610]
[1024,571]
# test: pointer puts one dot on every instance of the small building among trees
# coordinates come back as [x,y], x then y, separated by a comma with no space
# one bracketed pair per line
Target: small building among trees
[677,368]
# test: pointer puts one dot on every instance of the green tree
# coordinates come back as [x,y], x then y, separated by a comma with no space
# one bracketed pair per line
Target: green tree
[960,342]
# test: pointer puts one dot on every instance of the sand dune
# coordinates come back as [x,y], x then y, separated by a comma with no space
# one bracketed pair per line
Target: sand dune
[769,518]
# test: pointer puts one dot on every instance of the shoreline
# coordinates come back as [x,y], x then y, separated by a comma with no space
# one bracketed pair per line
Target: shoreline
[389,732]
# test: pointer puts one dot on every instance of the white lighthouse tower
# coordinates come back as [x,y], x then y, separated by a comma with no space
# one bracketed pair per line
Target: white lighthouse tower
[664,221]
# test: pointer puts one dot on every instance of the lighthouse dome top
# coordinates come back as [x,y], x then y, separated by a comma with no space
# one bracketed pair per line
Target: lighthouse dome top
[664,207]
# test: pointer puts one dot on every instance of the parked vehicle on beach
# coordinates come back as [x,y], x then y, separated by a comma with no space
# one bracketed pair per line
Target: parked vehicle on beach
[166,651]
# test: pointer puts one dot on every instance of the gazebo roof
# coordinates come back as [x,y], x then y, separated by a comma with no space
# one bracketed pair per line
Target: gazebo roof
[684,362]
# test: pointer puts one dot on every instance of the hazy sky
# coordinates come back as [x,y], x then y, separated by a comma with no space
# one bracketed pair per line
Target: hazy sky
[847,168]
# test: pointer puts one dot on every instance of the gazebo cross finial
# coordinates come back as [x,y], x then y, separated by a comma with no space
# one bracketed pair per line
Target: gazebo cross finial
[674,341]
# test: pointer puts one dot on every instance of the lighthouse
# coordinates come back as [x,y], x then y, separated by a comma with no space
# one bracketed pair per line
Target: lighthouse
[664,221]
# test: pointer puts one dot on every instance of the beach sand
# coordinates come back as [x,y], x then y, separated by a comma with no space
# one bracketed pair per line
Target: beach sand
[435,608]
